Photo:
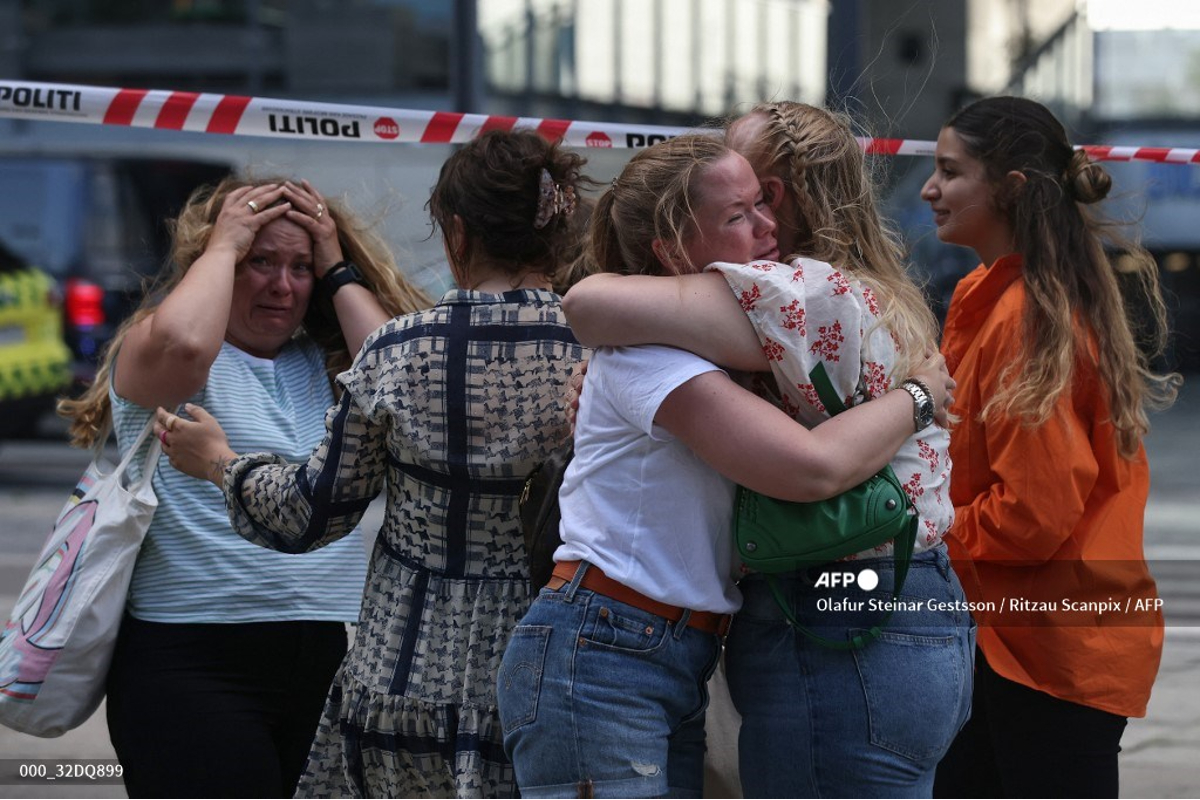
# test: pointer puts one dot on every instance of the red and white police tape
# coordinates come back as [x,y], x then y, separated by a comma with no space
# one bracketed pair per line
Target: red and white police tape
[298,119]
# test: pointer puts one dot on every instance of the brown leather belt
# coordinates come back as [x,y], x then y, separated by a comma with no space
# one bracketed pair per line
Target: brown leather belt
[595,580]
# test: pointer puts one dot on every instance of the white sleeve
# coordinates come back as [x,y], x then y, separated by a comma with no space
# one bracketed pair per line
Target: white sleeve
[638,379]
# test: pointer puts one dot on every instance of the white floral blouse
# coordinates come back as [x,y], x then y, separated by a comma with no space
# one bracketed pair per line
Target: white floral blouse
[808,313]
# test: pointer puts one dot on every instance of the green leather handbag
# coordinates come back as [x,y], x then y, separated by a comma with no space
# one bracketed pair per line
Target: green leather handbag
[780,536]
[774,536]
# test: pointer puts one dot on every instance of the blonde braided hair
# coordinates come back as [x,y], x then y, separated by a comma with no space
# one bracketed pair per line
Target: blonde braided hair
[814,152]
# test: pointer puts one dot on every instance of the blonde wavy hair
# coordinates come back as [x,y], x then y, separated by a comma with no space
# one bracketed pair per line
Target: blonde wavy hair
[1091,293]
[190,231]
[814,152]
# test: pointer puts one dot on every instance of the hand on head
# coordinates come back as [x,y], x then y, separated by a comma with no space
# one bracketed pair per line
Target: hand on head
[309,210]
[246,210]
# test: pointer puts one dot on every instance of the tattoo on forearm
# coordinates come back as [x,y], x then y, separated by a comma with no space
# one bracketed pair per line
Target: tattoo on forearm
[217,469]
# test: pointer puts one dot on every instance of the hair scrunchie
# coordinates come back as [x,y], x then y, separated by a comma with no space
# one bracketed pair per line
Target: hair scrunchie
[553,199]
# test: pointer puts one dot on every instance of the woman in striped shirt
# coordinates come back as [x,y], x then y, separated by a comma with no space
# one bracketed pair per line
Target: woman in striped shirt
[227,651]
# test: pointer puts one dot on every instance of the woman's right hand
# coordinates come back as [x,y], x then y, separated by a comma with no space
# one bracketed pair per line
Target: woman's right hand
[934,374]
[196,447]
[238,222]
[575,391]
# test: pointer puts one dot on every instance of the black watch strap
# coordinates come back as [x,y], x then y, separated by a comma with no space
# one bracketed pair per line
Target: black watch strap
[339,275]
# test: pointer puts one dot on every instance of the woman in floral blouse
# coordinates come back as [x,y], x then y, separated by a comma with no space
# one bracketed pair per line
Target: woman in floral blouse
[602,690]
[818,721]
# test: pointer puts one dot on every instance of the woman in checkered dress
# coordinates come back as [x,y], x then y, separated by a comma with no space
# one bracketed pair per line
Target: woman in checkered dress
[450,408]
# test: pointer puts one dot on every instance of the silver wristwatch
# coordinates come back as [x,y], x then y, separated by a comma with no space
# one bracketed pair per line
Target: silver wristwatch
[923,409]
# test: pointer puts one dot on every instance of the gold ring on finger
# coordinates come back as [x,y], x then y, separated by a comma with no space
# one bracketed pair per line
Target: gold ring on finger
[253,206]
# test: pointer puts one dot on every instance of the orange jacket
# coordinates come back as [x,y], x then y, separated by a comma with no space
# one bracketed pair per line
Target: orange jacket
[1047,536]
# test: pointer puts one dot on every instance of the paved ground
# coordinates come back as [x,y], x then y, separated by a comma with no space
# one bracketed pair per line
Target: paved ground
[1161,752]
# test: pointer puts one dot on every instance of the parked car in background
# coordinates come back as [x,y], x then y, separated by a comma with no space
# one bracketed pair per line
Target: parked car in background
[35,364]
[95,224]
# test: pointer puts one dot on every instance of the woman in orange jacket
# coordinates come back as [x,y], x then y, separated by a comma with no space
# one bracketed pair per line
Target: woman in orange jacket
[1050,478]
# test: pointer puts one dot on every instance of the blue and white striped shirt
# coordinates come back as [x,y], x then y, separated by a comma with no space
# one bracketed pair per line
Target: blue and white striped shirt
[193,567]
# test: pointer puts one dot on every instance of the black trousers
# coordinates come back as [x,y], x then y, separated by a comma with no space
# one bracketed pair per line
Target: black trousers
[1021,742]
[219,710]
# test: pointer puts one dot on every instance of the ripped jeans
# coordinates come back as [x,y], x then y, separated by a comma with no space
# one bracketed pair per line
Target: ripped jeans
[602,697]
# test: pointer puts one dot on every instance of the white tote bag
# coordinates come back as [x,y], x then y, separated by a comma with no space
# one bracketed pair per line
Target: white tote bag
[57,645]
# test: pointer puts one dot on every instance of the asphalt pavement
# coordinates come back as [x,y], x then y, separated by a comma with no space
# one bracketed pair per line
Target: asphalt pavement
[1160,752]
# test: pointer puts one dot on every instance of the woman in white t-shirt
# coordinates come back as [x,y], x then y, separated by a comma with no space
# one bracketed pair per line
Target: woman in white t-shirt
[818,721]
[602,688]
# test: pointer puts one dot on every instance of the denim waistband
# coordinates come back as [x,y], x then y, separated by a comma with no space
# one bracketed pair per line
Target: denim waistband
[935,558]
[570,576]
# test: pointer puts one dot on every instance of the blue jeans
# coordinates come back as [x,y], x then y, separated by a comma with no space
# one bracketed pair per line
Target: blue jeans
[819,722]
[604,697]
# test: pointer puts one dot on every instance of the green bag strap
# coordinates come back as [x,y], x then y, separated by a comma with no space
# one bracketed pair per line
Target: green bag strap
[829,397]
[902,546]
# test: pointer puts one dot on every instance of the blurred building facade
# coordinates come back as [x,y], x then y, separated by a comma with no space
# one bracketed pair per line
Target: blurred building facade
[257,47]
[898,65]
[899,68]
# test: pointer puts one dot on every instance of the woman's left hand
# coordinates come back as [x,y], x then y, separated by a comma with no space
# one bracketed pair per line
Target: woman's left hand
[196,447]
[934,373]
[310,212]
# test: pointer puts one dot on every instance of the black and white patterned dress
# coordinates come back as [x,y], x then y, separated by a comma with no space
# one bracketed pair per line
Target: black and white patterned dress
[451,408]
